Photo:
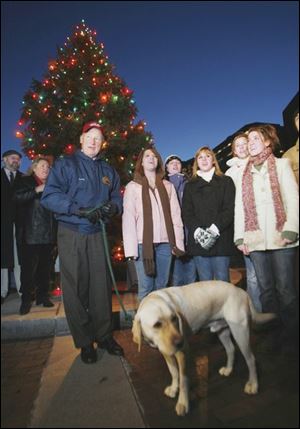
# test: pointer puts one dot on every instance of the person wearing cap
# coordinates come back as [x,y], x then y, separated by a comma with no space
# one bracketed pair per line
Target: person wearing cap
[82,189]
[10,177]
[236,168]
[208,213]
[183,270]
[152,225]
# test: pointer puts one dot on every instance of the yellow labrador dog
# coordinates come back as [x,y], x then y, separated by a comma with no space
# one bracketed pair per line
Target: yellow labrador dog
[164,318]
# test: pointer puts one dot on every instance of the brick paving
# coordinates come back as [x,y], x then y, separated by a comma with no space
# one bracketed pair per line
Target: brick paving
[217,401]
[22,364]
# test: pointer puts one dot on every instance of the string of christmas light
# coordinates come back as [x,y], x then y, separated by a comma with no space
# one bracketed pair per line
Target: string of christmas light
[81,85]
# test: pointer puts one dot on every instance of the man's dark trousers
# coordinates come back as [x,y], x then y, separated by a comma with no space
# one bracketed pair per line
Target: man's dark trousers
[86,285]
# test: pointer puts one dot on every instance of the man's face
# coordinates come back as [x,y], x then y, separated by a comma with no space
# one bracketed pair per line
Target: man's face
[12,162]
[91,142]
[174,166]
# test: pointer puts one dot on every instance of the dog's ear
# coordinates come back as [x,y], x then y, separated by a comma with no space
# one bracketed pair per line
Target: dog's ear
[137,332]
[180,322]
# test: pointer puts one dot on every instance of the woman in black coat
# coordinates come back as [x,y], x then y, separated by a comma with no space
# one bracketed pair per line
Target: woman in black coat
[36,236]
[208,212]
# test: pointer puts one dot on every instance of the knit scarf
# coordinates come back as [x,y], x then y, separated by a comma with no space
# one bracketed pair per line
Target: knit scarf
[148,254]
[251,221]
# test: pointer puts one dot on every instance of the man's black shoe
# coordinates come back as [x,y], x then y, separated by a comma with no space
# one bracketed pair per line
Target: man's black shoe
[111,346]
[88,354]
[25,307]
[45,302]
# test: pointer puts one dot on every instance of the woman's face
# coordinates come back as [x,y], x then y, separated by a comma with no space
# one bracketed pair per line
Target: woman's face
[150,161]
[205,161]
[241,147]
[256,143]
[42,169]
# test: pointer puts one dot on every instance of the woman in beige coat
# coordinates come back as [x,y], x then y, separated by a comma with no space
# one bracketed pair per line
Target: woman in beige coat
[267,223]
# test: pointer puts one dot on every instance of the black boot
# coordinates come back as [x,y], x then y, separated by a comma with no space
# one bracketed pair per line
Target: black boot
[25,307]
[88,354]
[111,346]
[45,302]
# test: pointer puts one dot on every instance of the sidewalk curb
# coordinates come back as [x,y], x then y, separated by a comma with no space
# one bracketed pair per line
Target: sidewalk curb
[48,323]
[58,326]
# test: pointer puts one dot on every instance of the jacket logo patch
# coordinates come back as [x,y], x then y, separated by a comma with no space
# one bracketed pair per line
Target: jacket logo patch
[105,180]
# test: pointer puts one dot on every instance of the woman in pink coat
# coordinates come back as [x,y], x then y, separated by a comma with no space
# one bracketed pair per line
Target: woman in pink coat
[152,225]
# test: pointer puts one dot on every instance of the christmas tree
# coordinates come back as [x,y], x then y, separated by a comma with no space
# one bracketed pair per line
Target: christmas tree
[80,86]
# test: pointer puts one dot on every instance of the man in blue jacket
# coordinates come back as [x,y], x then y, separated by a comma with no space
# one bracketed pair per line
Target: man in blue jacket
[81,189]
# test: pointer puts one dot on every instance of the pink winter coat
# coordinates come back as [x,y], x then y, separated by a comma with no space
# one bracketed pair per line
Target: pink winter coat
[133,223]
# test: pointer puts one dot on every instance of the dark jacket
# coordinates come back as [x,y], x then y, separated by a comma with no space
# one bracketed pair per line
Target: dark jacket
[205,203]
[37,224]
[8,217]
[79,181]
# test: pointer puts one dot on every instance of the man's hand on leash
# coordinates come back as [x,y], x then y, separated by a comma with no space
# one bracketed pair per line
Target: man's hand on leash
[94,214]
[109,210]
[90,213]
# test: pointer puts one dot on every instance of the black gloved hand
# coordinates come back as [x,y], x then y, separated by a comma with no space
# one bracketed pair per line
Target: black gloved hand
[109,209]
[90,213]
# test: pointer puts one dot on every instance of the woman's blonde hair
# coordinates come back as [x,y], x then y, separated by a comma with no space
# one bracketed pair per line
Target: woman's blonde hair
[268,133]
[34,163]
[210,152]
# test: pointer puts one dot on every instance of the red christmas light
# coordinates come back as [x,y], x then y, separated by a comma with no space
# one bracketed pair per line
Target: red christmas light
[57,291]
[126,91]
[69,149]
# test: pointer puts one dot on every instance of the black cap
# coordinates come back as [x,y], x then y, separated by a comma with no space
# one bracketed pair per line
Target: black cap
[11,152]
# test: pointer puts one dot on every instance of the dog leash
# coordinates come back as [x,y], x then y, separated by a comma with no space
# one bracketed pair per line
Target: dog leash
[128,317]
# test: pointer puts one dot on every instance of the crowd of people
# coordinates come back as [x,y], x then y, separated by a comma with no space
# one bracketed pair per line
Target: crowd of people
[176,229]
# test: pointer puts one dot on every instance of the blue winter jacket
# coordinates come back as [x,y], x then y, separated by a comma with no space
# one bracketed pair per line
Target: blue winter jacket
[79,181]
[179,181]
